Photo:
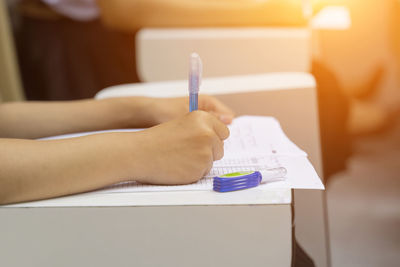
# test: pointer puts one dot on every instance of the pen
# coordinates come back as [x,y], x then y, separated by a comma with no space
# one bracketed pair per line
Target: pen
[195,71]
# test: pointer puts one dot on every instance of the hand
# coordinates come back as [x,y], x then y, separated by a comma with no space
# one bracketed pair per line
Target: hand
[166,109]
[181,151]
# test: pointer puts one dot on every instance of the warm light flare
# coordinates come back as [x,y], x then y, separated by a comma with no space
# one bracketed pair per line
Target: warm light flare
[332,17]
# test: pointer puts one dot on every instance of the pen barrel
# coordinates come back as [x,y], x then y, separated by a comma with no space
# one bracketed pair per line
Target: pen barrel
[194,83]
[193,101]
[195,71]
[273,174]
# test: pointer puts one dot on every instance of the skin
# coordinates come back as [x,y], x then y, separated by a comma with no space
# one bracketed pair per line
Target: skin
[178,148]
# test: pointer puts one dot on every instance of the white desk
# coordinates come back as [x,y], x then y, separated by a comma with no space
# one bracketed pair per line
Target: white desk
[291,98]
[162,54]
[245,228]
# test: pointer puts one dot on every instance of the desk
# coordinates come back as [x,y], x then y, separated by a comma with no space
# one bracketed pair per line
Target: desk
[291,98]
[244,228]
[224,51]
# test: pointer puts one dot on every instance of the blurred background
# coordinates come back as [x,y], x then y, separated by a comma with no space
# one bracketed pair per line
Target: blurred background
[71,49]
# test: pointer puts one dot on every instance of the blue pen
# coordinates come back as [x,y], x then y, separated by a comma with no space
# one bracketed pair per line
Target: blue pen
[195,71]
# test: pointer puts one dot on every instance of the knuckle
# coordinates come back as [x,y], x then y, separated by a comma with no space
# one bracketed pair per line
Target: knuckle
[203,115]
[199,113]
[205,156]
[204,159]
[207,135]
[224,132]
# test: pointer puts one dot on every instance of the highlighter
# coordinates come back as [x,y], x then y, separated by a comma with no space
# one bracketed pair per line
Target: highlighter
[248,179]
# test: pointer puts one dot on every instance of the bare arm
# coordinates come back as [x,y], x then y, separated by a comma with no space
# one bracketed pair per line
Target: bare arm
[32,120]
[31,169]
[40,119]
[178,152]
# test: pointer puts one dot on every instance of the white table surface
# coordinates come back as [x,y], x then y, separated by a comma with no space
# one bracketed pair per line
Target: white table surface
[212,86]
[253,196]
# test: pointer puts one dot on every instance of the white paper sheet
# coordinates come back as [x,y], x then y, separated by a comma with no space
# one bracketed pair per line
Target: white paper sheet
[255,143]
[259,135]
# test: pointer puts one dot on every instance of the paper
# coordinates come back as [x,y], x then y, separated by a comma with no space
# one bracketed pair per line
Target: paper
[256,135]
[254,143]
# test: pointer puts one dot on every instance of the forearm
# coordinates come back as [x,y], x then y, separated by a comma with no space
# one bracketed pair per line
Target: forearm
[40,119]
[31,170]
[180,151]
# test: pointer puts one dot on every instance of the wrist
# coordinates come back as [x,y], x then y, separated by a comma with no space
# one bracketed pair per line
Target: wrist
[136,112]
[129,160]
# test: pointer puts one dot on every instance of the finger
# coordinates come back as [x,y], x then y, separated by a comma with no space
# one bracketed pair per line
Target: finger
[221,108]
[212,104]
[208,169]
[220,128]
[225,119]
[218,149]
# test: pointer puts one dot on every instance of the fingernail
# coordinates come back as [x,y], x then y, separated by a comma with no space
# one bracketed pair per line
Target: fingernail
[225,119]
